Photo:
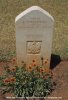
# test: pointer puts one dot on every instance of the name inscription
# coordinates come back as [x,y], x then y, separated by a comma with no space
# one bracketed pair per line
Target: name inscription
[33,23]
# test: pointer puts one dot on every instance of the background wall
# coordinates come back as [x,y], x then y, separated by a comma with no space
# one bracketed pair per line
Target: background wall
[9,9]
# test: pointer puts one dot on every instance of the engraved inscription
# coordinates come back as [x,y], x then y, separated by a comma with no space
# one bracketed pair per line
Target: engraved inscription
[33,47]
[33,22]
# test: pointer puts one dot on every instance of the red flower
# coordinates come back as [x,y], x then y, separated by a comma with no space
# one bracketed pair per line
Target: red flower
[7,80]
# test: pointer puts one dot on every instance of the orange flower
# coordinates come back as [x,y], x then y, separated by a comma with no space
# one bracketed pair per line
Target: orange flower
[33,60]
[47,70]
[34,63]
[14,59]
[6,81]
[30,67]
[46,61]
[41,70]
[12,69]
[12,79]
[9,80]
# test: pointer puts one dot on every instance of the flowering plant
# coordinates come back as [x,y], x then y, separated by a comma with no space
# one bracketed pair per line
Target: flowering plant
[26,82]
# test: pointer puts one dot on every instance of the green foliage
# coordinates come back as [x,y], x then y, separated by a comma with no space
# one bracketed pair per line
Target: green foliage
[26,83]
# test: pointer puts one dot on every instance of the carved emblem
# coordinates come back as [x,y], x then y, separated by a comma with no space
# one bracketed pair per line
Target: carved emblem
[33,47]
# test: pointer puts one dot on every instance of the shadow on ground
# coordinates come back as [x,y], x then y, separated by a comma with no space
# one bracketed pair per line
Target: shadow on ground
[55,60]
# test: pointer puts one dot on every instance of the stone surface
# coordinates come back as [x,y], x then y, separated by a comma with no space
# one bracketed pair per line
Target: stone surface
[34,28]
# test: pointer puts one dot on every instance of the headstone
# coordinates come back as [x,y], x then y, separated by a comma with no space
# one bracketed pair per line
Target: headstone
[34,28]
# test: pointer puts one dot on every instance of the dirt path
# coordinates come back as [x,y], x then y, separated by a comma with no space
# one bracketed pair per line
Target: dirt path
[61,79]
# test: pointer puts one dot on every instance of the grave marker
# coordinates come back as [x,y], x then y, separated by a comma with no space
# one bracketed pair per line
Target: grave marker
[34,28]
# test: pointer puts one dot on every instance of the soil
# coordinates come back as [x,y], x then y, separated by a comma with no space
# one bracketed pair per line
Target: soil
[60,77]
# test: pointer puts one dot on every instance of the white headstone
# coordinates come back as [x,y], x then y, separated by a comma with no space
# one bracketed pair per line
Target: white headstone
[34,28]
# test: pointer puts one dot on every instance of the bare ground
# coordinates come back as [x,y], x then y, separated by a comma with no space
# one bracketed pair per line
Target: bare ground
[61,79]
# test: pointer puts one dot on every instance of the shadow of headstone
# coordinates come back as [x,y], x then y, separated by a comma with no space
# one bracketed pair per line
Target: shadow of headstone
[55,60]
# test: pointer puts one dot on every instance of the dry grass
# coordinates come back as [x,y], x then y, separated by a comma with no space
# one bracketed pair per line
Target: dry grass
[9,9]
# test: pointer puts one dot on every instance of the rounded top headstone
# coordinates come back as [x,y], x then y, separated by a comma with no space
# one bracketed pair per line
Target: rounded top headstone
[34,28]
[33,8]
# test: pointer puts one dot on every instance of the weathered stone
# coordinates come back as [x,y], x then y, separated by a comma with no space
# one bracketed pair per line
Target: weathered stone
[34,28]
